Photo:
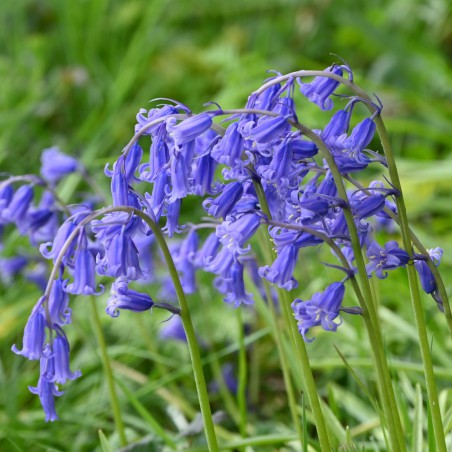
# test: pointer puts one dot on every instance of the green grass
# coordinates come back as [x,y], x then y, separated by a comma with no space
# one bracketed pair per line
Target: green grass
[75,73]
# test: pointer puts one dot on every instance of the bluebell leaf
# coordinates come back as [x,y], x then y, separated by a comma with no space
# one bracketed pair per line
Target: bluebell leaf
[55,165]
[121,297]
[34,334]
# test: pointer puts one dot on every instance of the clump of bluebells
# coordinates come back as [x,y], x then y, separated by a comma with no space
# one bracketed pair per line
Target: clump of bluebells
[249,169]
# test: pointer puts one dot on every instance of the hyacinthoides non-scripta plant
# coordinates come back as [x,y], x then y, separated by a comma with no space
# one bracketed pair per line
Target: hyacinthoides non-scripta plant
[257,171]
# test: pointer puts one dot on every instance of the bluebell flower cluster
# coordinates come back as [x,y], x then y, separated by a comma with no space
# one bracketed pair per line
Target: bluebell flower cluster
[250,169]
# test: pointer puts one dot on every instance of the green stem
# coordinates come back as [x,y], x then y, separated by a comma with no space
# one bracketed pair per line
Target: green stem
[108,374]
[297,341]
[414,288]
[243,371]
[285,368]
[369,309]
[192,342]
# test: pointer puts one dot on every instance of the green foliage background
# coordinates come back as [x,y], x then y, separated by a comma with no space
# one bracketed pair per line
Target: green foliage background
[75,73]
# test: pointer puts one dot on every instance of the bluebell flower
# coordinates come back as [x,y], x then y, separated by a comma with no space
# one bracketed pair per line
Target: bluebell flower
[121,258]
[387,258]
[17,209]
[6,195]
[335,131]
[428,281]
[235,292]
[235,232]
[121,297]
[173,329]
[280,167]
[322,309]
[223,203]
[184,259]
[10,267]
[190,128]
[38,275]
[361,136]
[51,250]
[159,154]
[43,221]
[172,218]
[281,271]
[159,190]
[60,358]
[119,184]
[34,334]
[364,206]
[320,89]
[179,176]
[144,117]
[229,377]
[203,176]
[221,262]
[269,129]
[58,303]
[47,390]
[228,151]
[302,149]
[208,251]
[55,165]
[266,99]
[84,274]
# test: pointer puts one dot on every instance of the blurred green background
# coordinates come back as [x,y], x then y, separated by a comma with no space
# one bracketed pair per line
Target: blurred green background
[74,73]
